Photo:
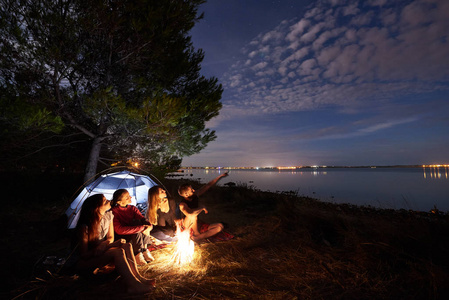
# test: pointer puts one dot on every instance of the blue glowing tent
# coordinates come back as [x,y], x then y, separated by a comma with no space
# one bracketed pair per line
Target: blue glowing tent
[136,184]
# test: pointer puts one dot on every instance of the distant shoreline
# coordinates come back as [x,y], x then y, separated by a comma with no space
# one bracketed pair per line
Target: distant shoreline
[312,167]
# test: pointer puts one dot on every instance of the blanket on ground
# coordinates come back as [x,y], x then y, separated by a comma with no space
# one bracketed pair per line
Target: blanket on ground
[221,236]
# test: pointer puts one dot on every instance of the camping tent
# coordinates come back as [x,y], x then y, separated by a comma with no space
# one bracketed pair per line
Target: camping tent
[136,184]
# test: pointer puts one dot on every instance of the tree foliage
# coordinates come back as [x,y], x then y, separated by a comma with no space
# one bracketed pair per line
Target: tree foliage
[124,74]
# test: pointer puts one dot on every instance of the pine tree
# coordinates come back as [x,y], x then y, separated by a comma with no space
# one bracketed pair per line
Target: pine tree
[124,74]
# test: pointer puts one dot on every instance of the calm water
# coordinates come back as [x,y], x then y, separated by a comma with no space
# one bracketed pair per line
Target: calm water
[409,188]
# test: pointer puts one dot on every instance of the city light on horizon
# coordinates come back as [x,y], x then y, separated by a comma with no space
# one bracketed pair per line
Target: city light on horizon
[313,166]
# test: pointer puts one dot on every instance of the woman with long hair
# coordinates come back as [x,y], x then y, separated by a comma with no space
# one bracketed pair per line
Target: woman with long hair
[98,249]
[160,215]
[130,224]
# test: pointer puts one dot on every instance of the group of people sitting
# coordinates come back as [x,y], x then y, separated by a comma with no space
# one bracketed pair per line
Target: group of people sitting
[115,232]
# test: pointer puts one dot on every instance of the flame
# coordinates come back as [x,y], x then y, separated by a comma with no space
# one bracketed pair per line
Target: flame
[184,247]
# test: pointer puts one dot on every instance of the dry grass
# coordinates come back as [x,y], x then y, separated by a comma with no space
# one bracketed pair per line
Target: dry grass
[286,247]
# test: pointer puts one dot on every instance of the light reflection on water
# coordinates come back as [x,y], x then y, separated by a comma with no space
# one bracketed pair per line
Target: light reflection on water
[436,172]
[408,188]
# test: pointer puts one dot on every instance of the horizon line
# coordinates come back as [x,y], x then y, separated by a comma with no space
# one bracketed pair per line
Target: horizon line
[321,166]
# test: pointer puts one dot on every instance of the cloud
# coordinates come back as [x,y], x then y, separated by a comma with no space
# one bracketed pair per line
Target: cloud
[297,29]
[344,55]
[376,2]
[352,129]
[351,9]
[385,125]
[271,36]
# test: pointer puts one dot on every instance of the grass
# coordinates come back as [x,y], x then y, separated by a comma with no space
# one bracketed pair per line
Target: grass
[285,247]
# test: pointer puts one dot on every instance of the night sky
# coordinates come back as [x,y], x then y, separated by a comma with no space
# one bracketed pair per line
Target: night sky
[327,82]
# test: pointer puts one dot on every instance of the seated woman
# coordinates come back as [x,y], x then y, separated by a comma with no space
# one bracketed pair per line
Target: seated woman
[129,224]
[97,249]
[160,213]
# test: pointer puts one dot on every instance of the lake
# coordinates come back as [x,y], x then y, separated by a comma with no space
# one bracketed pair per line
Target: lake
[408,188]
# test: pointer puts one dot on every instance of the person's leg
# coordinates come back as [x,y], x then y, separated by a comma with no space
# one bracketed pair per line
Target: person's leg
[162,236]
[191,223]
[138,242]
[133,282]
[212,230]
[146,240]
[133,264]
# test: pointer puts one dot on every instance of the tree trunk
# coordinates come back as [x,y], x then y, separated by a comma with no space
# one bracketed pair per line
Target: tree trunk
[92,162]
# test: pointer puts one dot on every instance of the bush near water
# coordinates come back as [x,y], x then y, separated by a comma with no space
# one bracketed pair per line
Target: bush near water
[286,247]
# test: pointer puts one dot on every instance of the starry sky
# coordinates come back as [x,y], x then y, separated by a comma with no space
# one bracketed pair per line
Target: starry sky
[331,82]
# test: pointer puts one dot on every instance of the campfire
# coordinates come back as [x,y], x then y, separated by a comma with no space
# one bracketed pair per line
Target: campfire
[184,247]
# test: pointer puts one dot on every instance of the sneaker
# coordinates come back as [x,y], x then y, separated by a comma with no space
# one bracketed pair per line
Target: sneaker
[140,260]
[147,255]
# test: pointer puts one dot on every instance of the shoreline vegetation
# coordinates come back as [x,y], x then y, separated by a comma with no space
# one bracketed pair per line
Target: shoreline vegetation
[285,247]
